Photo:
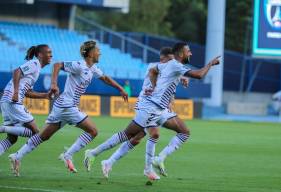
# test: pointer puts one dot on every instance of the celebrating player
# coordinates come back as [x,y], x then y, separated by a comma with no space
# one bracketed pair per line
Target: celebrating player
[65,110]
[17,120]
[164,79]
[166,54]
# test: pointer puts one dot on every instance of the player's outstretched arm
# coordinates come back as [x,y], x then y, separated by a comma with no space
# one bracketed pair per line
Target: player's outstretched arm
[111,82]
[199,74]
[16,80]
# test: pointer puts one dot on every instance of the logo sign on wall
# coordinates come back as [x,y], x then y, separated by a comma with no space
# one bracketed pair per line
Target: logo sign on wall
[267,29]
[119,108]
[90,104]
[47,82]
[183,108]
[37,106]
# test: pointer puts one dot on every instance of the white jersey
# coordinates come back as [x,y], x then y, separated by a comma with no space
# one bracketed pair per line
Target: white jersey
[30,73]
[167,81]
[146,84]
[78,79]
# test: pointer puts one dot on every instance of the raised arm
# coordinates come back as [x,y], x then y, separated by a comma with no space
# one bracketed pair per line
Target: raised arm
[54,82]
[16,80]
[199,74]
[112,83]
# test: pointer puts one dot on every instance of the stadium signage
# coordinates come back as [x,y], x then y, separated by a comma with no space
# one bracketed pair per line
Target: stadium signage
[118,108]
[184,108]
[37,106]
[267,29]
[90,104]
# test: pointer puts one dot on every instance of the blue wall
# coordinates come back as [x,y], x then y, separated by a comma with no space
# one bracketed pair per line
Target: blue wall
[197,89]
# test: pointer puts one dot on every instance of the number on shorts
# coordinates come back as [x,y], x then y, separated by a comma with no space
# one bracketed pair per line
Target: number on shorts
[150,118]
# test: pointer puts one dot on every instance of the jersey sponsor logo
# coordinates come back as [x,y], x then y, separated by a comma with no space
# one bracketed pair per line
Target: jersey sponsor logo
[90,104]
[119,108]
[86,83]
[37,106]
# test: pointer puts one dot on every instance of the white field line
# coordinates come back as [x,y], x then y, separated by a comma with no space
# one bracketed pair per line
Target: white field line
[28,189]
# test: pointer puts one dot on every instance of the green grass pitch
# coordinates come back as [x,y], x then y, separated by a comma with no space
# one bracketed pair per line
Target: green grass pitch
[221,156]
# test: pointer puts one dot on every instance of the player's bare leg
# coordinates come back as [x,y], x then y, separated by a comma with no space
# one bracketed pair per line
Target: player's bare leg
[31,144]
[90,132]
[132,130]
[13,131]
[183,134]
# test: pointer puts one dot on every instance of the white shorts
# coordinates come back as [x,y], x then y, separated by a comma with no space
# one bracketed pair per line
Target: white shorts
[71,115]
[15,114]
[148,115]
[147,118]
[166,115]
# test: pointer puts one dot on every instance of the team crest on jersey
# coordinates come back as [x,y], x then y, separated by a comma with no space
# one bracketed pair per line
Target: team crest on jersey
[26,68]
[67,64]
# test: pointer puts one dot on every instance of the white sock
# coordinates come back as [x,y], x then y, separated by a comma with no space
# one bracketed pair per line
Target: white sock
[150,151]
[174,144]
[110,143]
[31,144]
[18,130]
[120,152]
[80,143]
[2,129]
[5,144]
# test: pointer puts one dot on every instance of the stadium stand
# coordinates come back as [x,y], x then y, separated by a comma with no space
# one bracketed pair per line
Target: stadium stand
[15,38]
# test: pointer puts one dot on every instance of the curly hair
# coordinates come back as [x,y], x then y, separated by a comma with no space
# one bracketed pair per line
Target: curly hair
[86,47]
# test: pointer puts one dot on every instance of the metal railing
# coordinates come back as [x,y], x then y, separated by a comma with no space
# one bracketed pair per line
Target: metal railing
[116,40]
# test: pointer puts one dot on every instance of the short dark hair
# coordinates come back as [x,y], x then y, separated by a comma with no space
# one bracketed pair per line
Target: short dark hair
[165,51]
[178,47]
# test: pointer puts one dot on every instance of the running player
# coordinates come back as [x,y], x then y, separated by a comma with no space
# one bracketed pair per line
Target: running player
[152,107]
[182,55]
[65,110]
[166,54]
[17,120]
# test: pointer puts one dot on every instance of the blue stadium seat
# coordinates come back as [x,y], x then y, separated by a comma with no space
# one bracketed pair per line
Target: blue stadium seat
[65,45]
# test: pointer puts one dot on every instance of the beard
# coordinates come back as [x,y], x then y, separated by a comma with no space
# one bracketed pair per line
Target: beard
[95,60]
[186,60]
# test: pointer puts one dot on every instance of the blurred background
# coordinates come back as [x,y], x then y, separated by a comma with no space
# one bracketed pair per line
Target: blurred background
[231,147]
[247,34]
